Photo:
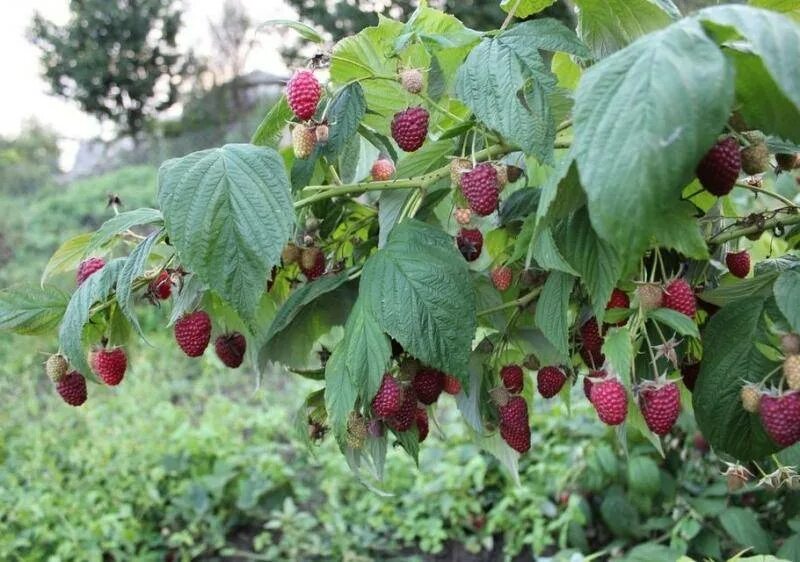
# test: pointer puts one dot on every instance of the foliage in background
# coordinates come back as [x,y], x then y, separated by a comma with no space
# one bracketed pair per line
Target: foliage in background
[29,160]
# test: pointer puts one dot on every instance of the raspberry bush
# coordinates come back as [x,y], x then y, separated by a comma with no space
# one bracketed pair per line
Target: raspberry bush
[455,201]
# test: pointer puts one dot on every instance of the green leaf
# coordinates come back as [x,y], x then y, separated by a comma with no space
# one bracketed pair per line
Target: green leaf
[306,32]
[133,268]
[725,366]
[409,441]
[651,552]
[269,131]
[525,8]
[519,205]
[67,256]
[594,259]
[790,8]
[644,476]
[761,286]
[344,114]
[547,255]
[681,323]
[743,527]
[120,223]
[609,25]
[633,180]
[31,310]
[679,229]
[390,207]
[228,214]
[95,289]
[618,349]
[551,310]
[772,37]
[547,34]
[619,514]
[419,291]
[787,297]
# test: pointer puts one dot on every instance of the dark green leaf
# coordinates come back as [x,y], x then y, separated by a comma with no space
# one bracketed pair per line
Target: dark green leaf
[552,308]
[761,286]
[133,268]
[31,310]
[344,115]
[787,296]
[743,527]
[270,130]
[519,205]
[120,223]
[544,33]
[681,323]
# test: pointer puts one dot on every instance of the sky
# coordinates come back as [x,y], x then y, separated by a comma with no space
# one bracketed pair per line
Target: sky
[24,93]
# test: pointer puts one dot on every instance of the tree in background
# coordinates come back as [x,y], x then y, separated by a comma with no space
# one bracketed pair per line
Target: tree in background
[118,60]
[29,160]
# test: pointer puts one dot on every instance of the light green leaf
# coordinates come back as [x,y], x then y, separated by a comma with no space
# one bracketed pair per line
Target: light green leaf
[681,323]
[743,527]
[634,180]
[67,256]
[547,255]
[419,291]
[31,310]
[344,114]
[525,8]
[120,223]
[787,297]
[228,214]
[790,8]
[717,405]
[269,131]
[618,349]
[547,34]
[552,308]
[133,268]
[761,285]
[306,32]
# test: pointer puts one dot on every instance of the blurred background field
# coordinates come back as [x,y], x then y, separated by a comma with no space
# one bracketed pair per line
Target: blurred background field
[187,460]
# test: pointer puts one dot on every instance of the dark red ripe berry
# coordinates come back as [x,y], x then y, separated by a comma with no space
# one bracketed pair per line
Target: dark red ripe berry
[514,428]
[428,385]
[451,385]
[406,415]
[780,416]
[479,186]
[389,398]
[72,388]
[303,91]
[513,378]
[550,381]
[610,401]
[678,295]
[230,349]
[689,371]
[161,286]
[470,243]
[661,406]
[619,299]
[588,382]
[591,344]
[410,127]
[720,167]
[421,418]
[738,263]
[89,267]
[109,364]
[193,332]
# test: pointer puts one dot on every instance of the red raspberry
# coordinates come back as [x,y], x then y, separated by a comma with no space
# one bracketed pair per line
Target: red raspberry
[502,277]
[470,243]
[389,398]
[588,382]
[421,418]
[303,91]
[479,186]
[738,263]
[406,415]
[428,385]
[610,400]
[451,385]
[410,127]
[689,371]
[89,267]
[230,349]
[514,427]
[618,299]
[780,416]
[382,169]
[193,332]
[550,381]
[591,344]
[109,364]
[312,263]
[72,388]
[678,295]
[513,378]
[660,405]
[719,168]
[161,286]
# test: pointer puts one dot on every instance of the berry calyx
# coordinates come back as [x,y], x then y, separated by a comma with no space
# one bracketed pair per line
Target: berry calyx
[738,263]
[193,332]
[410,127]
[303,92]
[389,398]
[72,388]
[513,378]
[549,381]
[470,243]
[660,405]
[610,401]
[502,277]
[382,169]
[89,267]
[230,349]
[480,187]
[678,295]
[109,364]
[428,385]
[719,168]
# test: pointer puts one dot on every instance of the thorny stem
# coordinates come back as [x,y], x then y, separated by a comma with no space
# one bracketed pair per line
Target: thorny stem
[783,217]
[520,302]
[758,190]
[510,15]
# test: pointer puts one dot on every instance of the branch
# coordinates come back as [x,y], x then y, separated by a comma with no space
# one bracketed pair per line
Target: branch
[520,302]
[758,190]
[781,217]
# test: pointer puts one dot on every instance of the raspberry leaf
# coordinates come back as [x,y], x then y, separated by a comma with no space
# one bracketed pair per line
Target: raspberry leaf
[119,224]
[31,310]
[787,296]
[344,113]
[681,323]
[525,8]
[228,214]
[552,309]
[133,268]
[67,256]
[618,349]
[270,131]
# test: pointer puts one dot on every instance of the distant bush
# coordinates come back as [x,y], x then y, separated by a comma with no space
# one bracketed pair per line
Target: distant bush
[29,160]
